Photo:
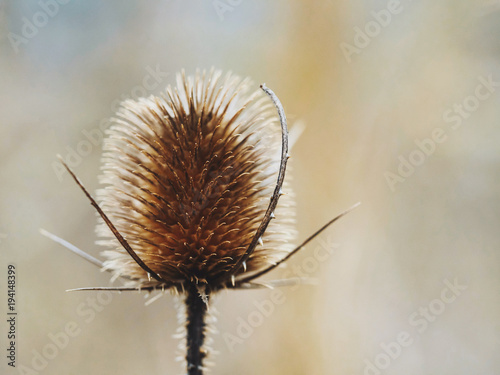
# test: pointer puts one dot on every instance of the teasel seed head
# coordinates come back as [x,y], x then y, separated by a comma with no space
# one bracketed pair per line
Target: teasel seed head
[192,180]
[188,177]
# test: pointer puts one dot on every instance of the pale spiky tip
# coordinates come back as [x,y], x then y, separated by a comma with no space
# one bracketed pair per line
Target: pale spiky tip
[188,177]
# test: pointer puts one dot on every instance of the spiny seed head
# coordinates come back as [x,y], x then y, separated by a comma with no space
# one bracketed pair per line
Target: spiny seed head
[187,178]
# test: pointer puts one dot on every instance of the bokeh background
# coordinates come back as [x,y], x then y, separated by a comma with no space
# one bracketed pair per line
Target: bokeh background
[364,102]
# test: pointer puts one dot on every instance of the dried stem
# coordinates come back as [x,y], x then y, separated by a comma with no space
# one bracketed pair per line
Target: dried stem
[196,309]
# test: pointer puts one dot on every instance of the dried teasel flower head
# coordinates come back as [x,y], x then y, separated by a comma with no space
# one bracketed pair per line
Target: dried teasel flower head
[192,180]
[188,179]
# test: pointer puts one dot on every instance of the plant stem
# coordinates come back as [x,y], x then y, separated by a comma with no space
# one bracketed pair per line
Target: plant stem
[196,309]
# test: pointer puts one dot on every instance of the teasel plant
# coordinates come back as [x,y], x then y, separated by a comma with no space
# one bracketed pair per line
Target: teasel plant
[191,183]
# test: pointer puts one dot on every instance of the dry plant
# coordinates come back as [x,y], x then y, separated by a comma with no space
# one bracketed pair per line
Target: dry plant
[190,196]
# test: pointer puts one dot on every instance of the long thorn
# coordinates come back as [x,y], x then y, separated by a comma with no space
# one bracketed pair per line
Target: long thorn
[276,283]
[72,248]
[294,251]
[110,225]
[277,190]
[114,289]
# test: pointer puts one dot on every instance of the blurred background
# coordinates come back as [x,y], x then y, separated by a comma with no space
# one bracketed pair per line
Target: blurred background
[400,106]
